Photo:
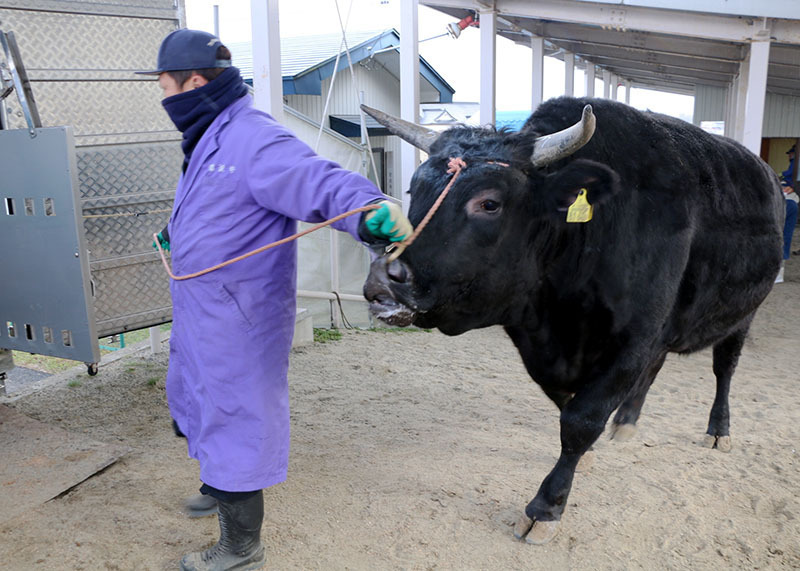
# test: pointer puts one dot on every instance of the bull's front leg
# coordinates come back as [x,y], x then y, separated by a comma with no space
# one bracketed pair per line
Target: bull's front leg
[583,420]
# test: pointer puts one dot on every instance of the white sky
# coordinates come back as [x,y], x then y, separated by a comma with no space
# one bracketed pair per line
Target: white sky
[457,61]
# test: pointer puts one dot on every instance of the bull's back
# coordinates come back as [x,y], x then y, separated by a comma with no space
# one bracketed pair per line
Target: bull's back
[736,208]
[707,218]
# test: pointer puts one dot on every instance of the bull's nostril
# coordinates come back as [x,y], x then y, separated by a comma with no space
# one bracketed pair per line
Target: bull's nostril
[397,272]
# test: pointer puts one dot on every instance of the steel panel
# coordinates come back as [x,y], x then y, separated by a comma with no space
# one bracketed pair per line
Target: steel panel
[100,109]
[71,42]
[41,217]
[164,9]
[81,56]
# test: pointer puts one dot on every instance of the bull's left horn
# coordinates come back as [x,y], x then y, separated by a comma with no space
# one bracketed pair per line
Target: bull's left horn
[418,136]
[549,148]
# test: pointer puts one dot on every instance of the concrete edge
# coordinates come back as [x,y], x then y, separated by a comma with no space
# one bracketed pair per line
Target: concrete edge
[62,378]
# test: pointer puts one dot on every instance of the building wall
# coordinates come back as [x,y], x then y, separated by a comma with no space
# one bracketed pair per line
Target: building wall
[709,104]
[781,112]
[381,90]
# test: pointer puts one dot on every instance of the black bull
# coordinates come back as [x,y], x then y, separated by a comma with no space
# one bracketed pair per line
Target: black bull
[683,246]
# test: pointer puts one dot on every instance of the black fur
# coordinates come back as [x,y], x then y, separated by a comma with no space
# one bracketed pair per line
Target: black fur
[684,245]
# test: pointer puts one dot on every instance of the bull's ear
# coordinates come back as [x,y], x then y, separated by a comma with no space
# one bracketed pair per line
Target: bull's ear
[561,188]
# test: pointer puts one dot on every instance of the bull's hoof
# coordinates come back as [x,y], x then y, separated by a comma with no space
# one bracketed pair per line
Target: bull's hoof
[536,532]
[586,462]
[523,526]
[721,443]
[622,432]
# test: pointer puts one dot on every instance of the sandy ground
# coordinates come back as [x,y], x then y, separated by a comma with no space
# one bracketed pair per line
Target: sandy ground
[419,451]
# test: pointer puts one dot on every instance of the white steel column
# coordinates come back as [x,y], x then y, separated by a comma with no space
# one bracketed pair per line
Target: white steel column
[741,97]
[155,339]
[628,91]
[569,74]
[488,28]
[614,86]
[409,90]
[267,79]
[537,72]
[589,79]
[606,84]
[756,95]
[730,109]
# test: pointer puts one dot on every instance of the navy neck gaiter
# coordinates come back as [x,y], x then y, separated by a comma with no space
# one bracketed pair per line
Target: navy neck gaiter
[193,111]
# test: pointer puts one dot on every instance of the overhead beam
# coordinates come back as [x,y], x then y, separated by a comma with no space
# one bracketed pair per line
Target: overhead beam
[632,39]
[633,18]
[617,64]
[639,55]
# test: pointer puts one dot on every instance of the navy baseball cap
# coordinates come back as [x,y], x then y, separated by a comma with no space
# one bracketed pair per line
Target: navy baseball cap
[185,49]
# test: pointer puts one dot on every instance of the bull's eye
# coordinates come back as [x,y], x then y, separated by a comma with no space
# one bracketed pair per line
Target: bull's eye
[490,205]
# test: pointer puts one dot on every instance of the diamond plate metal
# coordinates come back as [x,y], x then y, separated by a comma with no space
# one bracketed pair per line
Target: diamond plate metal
[163,9]
[77,42]
[130,108]
[80,56]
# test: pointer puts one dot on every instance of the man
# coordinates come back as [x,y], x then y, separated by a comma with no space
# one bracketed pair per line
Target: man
[246,181]
[789,186]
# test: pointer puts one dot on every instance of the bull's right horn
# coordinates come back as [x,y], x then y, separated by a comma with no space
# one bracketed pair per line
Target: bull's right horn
[418,136]
[549,148]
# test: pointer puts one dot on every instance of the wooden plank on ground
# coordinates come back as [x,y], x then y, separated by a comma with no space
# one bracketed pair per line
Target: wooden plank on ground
[40,461]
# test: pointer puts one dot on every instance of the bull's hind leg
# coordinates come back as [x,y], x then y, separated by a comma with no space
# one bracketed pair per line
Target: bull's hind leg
[726,357]
[624,425]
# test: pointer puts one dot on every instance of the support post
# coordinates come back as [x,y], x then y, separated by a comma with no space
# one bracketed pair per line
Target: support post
[589,79]
[488,93]
[409,90]
[155,340]
[537,72]
[741,97]
[267,79]
[756,95]
[606,84]
[628,91]
[569,74]
[614,86]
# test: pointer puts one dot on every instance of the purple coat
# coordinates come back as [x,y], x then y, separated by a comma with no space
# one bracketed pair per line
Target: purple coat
[247,183]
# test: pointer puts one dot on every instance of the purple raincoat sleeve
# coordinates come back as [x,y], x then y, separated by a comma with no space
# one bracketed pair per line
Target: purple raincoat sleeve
[286,176]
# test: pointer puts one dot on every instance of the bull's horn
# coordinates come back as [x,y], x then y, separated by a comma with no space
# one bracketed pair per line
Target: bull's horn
[549,148]
[420,137]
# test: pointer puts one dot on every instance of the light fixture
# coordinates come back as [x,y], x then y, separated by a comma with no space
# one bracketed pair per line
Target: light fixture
[454,28]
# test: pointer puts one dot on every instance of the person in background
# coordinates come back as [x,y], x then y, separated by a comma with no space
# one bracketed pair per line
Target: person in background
[788,187]
[245,182]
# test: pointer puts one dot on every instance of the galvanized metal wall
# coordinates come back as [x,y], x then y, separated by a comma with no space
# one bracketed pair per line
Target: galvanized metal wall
[80,56]
[781,112]
[782,116]
[709,103]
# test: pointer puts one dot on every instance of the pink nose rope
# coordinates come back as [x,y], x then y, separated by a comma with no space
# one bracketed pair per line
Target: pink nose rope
[454,166]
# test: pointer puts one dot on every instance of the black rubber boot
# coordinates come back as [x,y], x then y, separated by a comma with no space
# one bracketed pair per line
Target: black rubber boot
[239,546]
[200,505]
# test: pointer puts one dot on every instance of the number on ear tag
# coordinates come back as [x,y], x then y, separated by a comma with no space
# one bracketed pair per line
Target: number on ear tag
[581,210]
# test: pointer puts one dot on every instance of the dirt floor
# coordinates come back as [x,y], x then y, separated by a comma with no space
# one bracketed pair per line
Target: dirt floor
[419,451]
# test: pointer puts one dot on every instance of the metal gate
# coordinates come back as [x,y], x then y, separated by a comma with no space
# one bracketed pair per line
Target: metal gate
[44,248]
[80,57]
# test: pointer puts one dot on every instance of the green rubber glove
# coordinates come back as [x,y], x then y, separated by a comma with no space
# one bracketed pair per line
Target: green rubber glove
[388,222]
[163,241]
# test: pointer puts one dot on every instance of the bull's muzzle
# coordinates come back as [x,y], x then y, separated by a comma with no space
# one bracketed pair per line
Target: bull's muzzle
[384,280]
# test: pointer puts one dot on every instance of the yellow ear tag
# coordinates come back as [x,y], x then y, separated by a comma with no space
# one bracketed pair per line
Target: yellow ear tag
[581,210]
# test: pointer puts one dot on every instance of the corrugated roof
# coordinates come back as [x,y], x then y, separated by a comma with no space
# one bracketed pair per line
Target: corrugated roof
[301,53]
